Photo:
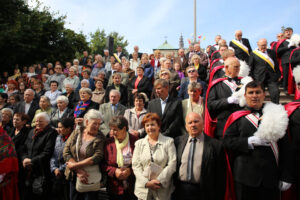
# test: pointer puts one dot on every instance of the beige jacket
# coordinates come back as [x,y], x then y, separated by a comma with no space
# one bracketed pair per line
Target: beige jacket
[165,156]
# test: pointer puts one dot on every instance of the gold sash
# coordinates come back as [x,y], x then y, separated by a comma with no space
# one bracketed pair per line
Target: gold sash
[264,58]
[241,45]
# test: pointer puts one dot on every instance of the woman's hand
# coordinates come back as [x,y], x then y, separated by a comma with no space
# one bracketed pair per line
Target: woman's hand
[153,184]
[82,175]
[79,121]
[71,165]
[26,162]
[135,133]
[122,173]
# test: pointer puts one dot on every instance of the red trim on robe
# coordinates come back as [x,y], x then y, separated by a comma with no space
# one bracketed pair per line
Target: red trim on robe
[213,71]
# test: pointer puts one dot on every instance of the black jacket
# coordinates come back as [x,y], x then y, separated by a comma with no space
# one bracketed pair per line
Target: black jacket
[123,91]
[213,168]
[239,53]
[31,112]
[256,167]
[261,71]
[171,118]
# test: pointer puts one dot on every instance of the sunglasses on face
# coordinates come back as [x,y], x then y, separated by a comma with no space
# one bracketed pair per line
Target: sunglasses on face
[191,71]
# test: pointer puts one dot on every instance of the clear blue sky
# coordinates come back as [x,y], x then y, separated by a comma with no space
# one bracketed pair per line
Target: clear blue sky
[146,23]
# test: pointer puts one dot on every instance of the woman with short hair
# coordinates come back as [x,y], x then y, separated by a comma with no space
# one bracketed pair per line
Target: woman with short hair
[62,110]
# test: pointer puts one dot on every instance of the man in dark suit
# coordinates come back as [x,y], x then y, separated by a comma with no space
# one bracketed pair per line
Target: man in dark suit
[201,165]
[261,167]
[264,68]
[116,77]
[241,46]
[119,53]
[181,59]
[28,106]
[220,102]
[136,49]
[169,109]
[283,49]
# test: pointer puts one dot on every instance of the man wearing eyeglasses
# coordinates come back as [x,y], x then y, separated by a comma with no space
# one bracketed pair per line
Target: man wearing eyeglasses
[192,77]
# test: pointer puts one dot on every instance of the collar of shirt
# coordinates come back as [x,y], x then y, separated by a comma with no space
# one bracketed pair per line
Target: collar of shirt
[164,101]
[199,138]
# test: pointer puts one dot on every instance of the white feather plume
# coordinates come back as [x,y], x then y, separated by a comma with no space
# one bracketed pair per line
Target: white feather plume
[240,93]
[295,40]
[244,69]
[296,74]
[274,122]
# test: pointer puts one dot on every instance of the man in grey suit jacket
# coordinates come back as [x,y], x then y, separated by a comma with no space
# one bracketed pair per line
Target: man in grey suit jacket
[108,110]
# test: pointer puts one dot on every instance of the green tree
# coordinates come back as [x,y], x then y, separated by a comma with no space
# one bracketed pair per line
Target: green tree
[35,35]
[99,39]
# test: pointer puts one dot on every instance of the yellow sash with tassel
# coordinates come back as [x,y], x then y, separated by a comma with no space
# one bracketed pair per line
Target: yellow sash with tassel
[243,47]
[265,59]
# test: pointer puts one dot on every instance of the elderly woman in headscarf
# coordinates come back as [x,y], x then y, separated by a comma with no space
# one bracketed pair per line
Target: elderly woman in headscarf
[38,149]
[83,152]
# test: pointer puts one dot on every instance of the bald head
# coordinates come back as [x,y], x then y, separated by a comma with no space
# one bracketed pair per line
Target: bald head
[238,34]
[262,45]
[222,42]
[194,124]
[232,67]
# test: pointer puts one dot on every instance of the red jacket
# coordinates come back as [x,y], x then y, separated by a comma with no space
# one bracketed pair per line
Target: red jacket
[115,186]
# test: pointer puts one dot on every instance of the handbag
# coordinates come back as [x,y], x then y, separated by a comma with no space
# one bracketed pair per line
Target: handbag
[38,185]
[94,175]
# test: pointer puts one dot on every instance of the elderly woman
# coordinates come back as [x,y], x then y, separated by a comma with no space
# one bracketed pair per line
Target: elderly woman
[98,93]
[19,134]
[154,162]
[62,110]
[202,71]
[36,156]
[83,152]
[71,95]
[84,105]
[45,106]
[195,102]
[136,114]
[8,167]
[60,188]
[7,116]
[117,163]
[71,79]
[139,83]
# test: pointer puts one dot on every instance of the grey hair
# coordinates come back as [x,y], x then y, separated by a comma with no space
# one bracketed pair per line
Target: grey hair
[75,60]
[92,114]
[63,98]
[71,85]
[115,91]
[74,68]
[47,99]
[87,90]
[194,85]
[8,110]
[31,90]
[85,80]
[101,72]
[43,114]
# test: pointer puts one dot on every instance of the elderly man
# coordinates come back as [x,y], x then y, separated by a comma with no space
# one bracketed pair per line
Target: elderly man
[117,67]
[71,79]
[136,50]
[181,59]
[220,104]
[28,106]
[58,77]
[261,160]
[110,109]
[214,47]
[169,109]
[241,46]
[106,56]
[203,62]
[264,68]
[119,53]
[201,166]
[283,49]
[7,116]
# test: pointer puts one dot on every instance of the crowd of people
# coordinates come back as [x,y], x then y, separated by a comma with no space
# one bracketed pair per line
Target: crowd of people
[155,127]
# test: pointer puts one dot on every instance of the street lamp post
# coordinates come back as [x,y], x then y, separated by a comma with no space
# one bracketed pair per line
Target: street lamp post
[195,29]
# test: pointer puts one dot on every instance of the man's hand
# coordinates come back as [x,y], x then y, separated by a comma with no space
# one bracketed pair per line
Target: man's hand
[26,162]
[57,172]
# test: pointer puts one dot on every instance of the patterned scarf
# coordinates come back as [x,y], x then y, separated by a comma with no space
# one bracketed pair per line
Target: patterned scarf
[81,107]
[8,155]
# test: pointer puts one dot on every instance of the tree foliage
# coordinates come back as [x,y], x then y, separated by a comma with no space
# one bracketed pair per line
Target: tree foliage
[29,36]
[99,40]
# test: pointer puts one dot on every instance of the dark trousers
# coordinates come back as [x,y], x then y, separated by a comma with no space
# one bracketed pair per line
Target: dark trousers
[244,192]
[285,72]
[74,195]
[274,91]
[125,196]
[187,191]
